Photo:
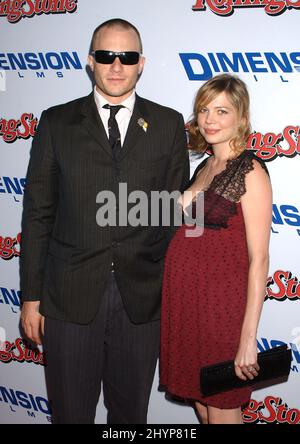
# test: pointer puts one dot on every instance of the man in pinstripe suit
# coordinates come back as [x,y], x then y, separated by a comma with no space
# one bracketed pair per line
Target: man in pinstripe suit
[91,294]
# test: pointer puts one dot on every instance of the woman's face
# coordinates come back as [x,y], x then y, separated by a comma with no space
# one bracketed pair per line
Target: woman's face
[218,121]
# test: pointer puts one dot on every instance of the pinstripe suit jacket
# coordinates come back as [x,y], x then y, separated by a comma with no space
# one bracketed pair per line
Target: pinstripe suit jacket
[66,256]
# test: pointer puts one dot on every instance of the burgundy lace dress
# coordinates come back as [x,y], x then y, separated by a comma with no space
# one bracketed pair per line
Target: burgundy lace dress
[205,290]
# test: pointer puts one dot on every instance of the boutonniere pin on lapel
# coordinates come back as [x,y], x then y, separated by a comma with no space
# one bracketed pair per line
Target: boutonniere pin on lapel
[143,124]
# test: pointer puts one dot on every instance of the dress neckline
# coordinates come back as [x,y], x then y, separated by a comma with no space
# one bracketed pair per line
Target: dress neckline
[229,162]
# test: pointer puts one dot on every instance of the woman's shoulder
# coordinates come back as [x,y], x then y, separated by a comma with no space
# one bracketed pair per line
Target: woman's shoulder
[232,182]
[246,162]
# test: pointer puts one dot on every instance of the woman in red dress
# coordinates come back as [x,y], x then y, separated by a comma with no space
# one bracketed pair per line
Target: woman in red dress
[214,284]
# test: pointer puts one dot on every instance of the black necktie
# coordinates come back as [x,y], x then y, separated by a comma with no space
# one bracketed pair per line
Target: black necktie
[113,129]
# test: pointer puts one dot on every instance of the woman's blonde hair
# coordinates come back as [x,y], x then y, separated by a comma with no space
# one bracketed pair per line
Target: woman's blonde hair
[237,93]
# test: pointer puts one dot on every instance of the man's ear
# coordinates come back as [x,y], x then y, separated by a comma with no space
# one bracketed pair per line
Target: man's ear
[141,65]
[91,61]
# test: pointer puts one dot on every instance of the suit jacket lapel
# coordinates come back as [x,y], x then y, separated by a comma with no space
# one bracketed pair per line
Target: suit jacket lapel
[93,123]
[135,132]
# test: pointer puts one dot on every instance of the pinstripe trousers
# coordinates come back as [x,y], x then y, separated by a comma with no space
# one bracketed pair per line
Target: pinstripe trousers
[110,350]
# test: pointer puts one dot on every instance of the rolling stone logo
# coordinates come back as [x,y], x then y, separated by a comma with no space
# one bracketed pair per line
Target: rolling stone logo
[20,351]
[227,7]
[10,247]
[15,10]
[23,128]
[270,411]
[282,286]
[268,146]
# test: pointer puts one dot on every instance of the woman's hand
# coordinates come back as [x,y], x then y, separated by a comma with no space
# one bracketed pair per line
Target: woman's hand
[245,362]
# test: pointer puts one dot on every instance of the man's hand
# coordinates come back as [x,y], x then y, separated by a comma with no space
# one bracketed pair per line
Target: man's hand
[32,321]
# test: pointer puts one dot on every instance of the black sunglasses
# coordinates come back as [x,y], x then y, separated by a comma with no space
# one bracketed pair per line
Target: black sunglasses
[108,57]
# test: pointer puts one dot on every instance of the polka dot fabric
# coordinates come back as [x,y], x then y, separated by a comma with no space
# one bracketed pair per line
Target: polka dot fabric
[203,304]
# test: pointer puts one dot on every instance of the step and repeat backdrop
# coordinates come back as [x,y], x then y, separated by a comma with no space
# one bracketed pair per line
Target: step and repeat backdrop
[43,51]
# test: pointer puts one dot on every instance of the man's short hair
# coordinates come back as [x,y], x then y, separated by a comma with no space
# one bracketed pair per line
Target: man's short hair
[116,22]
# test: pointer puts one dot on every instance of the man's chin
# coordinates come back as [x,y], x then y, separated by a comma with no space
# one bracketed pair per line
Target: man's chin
[123,93]
[114,92]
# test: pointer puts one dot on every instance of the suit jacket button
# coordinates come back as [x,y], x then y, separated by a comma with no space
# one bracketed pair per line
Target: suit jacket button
[114,244]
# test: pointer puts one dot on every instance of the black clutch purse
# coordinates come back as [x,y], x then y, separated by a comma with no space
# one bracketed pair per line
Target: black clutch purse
[274,364]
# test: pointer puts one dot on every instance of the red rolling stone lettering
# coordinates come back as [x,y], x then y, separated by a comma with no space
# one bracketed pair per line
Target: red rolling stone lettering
[23,128]
[15,10]
[268,146]
[270,411]
[20,351]
[227,7]
[286,285]
[10,247]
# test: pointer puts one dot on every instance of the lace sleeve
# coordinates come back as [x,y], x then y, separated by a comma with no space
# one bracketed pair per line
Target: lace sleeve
[230,183]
